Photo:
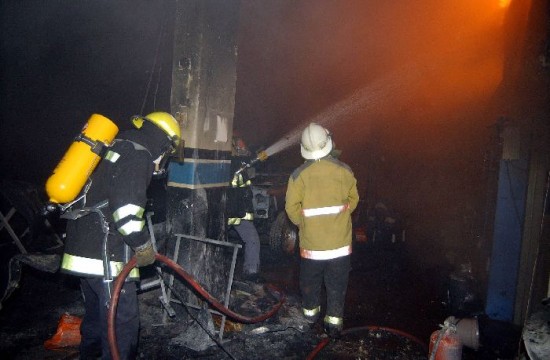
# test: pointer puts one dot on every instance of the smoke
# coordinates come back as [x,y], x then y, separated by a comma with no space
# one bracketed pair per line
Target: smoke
[349,67]
[408,84]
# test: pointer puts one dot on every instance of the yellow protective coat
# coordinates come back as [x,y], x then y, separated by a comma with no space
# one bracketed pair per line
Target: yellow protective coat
[318,184]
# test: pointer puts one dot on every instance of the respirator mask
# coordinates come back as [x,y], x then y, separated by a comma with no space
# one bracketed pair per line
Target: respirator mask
[161,165]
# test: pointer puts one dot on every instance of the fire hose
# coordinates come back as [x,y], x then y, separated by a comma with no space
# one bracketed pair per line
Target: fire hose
[111,334]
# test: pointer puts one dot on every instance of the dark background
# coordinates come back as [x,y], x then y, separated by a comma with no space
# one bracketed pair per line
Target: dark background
[64,60]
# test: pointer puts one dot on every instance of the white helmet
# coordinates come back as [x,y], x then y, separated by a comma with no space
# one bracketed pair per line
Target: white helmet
[316,142]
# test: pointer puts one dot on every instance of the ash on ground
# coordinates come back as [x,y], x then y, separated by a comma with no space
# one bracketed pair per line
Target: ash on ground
[385,290]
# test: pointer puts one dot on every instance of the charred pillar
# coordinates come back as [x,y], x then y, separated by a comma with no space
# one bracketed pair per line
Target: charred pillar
[202,100]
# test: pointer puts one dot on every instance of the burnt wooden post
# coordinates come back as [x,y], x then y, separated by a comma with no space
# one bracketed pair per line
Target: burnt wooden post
[203,100]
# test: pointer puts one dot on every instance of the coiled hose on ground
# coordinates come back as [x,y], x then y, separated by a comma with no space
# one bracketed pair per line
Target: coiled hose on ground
[191,281]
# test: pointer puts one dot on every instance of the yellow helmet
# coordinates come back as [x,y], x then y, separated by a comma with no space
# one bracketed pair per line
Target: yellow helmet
[165,121]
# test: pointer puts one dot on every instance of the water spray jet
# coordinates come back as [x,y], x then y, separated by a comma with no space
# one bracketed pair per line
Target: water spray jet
[398,86]
[369,97]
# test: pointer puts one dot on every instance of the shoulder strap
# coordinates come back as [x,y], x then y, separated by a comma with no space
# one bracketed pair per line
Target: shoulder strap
[113,156]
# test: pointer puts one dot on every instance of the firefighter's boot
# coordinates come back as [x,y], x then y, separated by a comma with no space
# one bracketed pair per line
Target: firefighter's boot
[333,326]
[311,315]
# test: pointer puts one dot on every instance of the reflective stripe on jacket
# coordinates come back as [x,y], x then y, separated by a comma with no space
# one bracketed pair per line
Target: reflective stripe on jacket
[237,221]
[327,210]
[87,266]
[129,219]
[244,202]
[325,254]
[321,195]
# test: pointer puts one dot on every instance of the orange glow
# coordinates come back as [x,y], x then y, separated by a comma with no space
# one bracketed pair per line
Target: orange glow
[461,83]
[504,3]
[410,64]
[454,58]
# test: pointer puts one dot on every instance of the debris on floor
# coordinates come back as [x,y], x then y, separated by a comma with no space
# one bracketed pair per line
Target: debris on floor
[364,343]
[385,317]
[67,335]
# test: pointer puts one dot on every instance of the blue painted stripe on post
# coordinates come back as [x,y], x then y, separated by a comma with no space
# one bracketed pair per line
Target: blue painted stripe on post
[198,173]
[505,257]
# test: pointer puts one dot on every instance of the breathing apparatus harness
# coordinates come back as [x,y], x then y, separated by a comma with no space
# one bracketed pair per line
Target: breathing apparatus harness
[97,147]
[98,209]
[103,151]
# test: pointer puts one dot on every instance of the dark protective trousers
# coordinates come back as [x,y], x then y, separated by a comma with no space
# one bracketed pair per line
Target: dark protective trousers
[334,273]
[249,235]
[94,324]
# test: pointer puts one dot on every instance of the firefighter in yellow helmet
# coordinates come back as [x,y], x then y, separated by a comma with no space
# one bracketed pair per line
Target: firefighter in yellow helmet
[107,227]
[320,197]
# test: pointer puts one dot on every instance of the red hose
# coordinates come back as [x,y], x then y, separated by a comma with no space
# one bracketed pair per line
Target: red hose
[318,349]
[325,341]
[119,283]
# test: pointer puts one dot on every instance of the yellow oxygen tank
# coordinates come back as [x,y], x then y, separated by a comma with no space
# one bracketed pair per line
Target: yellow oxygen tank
[80,160]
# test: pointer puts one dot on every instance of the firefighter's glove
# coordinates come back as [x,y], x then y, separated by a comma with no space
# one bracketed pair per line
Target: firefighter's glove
[145,254]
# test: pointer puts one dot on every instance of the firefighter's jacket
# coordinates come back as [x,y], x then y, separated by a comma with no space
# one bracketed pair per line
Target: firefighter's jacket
[320,198]
[121,178]
[239,197]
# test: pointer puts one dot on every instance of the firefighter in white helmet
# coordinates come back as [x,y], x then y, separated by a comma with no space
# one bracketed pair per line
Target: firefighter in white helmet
[320,197]
[107,227]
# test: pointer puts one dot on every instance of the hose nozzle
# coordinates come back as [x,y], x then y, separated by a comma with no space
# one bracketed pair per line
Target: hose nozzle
[261,156]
